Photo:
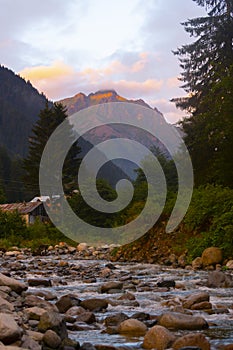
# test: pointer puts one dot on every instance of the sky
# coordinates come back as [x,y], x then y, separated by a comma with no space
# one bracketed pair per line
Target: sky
[69,46]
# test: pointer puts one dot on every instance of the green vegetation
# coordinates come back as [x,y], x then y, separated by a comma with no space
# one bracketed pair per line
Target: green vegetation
[209,220]
[49,119]
[15,232]
[207,65]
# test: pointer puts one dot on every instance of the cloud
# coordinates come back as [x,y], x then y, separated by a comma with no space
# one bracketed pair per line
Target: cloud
[56,70]
[59,80]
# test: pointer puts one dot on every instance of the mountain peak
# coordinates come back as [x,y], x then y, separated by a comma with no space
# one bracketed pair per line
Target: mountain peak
[81,101]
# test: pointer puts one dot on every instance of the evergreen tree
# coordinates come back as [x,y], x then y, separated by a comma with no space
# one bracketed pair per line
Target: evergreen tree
[207,65]
[49,119]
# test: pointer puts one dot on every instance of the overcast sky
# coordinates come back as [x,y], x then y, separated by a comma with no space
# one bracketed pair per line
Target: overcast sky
[68,46]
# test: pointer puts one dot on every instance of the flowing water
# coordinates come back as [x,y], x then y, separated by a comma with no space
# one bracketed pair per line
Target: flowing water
[86,277]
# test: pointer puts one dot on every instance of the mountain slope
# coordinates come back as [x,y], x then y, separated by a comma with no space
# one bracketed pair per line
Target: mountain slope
[20,104]
[111,131]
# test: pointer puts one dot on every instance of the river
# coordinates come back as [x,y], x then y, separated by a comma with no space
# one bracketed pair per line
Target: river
[85,277]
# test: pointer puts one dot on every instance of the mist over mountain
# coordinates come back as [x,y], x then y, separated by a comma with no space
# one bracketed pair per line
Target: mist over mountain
[111,131]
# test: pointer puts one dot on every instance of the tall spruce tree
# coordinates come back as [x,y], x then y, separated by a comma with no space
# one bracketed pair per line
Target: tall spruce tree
[49,119]
[207,65]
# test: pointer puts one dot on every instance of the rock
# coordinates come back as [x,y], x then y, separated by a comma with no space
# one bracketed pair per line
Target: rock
[182,260]
[211,256]
[68,344]
[75,310]
[51,339]
[197,263]
[35,282]
[229,264]
[195,299]
[133,327]
[158,337]
[127,296]
[87,346]
[46,294]
[5,305]
[192,339]
[107,287]
[204,305]
[52,320]
[218,279]
[175,320]
[94,304]
[34,313]
[29,343]
[37,336]
[87,317]
[141,316]
[14,284]
[227,347]
[33,300]
[66,302]
[115,320]
[167,284]
[9,330]
[82,247]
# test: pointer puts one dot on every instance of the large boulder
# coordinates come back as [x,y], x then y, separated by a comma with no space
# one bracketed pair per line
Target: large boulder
[211,256]
[175,320]
[14,284]
[94,304]
[5,305]
[34,313]
[35,282]
[9,330]
[158,337]
[54,321]
[33,300]
[133,327]
[29,343]
[218,279]
[192,339]
[195,299]
[229,264]
[66,302]
[111,286]
[51,339]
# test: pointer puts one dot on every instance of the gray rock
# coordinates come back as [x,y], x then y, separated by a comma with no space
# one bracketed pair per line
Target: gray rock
[53,320]
[218,279]
[29,343]
[9,330]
